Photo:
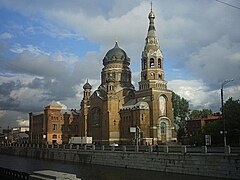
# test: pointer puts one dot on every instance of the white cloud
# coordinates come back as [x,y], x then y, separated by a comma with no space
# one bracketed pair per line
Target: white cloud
[28,48]
[196,92]
[200,95]
[24,79]
[2,113]
[206,44]
[5,36]
[217,61]
[29,98]
[22,122]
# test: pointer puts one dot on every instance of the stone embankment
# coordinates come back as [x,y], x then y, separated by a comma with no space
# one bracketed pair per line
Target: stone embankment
[224,165]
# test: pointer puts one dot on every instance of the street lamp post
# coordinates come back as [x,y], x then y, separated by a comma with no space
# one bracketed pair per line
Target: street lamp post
[224,127]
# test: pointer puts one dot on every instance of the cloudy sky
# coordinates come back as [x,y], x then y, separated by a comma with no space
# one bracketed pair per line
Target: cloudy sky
[48,49]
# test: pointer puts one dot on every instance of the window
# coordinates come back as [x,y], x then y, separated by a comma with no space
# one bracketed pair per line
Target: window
[125,77]
[151,63]
[144,64]
[54,136]
[144,77]
[119,76]
[159,63]
[162,106]
[54,127]
[96,116]
[163,128]
[159,76]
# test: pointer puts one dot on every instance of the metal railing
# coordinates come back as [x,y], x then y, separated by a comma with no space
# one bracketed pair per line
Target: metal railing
[12,174]
[132,148]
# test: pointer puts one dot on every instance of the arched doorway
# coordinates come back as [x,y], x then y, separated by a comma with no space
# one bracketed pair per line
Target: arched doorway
[164,130]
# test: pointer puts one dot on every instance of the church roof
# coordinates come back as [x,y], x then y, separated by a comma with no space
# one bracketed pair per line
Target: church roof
[87,85]
[116,54]
[130,105]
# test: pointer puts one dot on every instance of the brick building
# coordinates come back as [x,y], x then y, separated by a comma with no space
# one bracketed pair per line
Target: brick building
[108,113]
[54,124]
[195,126]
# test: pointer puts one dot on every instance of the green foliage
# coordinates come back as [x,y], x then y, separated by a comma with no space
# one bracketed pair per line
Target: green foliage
[232,118]
[232,122]
[181,112]
[197,114]
[181,107]
[214,128]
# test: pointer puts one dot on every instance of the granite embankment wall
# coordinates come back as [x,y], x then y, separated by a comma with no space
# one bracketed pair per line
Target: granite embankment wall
[204,164]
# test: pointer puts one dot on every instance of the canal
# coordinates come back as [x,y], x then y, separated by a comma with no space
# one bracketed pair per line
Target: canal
[89,172]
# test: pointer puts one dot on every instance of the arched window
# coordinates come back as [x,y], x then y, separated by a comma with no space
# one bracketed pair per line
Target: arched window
[159,63]
[54,136]
[96,116]
[119,76]
[163,128]
[125,77]
[160,76]
[144,76]
[151,63]
[144,64]
[162,105]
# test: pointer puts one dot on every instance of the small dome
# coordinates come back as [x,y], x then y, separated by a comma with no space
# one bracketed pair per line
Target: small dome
[87,85]
[151,15]
[116,54]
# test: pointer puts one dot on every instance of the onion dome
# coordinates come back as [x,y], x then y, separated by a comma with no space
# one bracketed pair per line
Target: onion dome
[87,85]
[151,15]
[116,54]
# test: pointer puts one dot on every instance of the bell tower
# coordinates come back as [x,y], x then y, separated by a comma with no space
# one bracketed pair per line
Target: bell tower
[153,88]
[152,71]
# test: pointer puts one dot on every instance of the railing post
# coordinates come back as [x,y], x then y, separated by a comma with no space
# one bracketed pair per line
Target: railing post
[227,150]
[124,148]
[204,149]
[136,148]
[103,147]
[184,149]
[93,147]
[70,146]
[85,147]
[166,150]
[77,147]
[150,149]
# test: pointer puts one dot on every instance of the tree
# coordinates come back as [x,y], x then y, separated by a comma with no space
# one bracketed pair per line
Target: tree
[214,128]
[181,113]
[197,114]
[232,119]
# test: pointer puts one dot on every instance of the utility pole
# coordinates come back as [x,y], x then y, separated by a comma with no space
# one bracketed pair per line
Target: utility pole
[223,114]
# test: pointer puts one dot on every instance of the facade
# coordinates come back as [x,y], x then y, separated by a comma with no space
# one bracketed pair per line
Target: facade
[54,124]
[109,112]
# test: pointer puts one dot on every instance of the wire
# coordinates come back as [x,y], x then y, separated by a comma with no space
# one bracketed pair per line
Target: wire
[228,4]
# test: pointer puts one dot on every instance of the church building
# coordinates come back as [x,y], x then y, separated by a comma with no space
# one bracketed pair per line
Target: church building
[110,112]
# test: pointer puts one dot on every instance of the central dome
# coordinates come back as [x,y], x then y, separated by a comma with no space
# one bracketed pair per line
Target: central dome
[116,54]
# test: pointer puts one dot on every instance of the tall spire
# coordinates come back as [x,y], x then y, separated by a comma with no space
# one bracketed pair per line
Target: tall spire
[151,17]
[152,74]
[151,38]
